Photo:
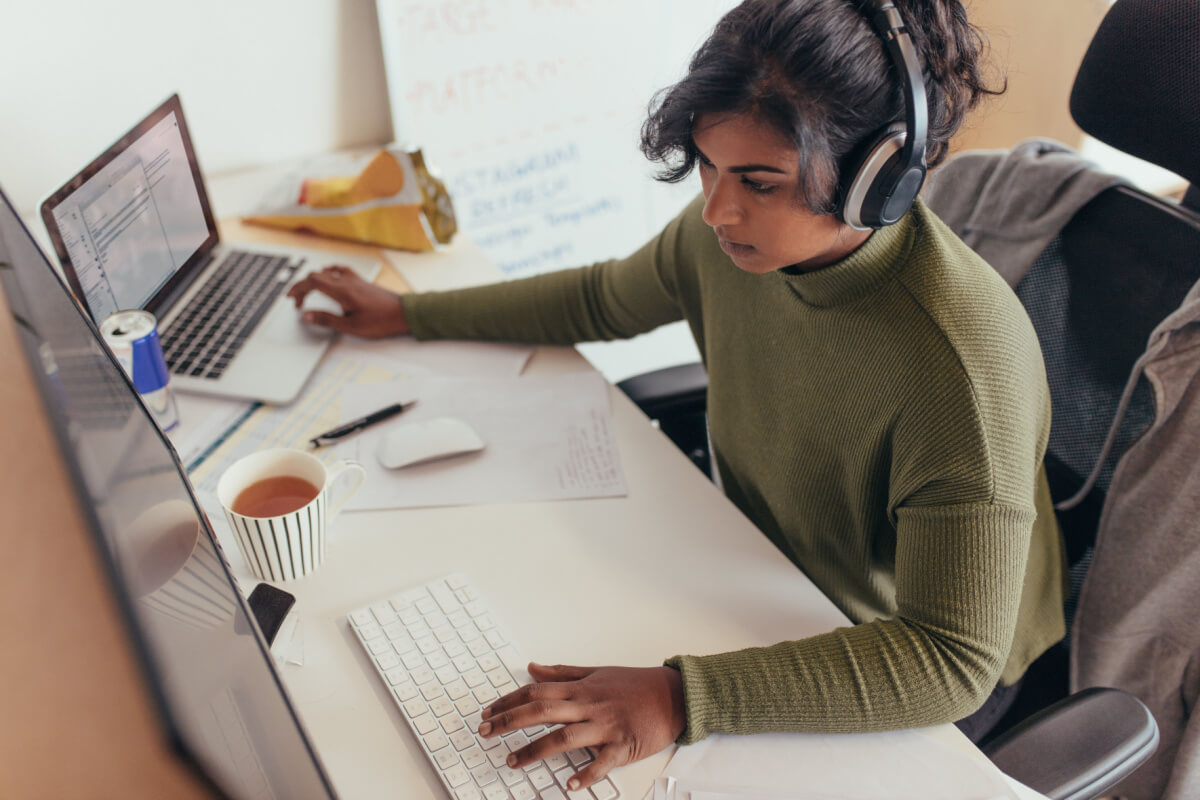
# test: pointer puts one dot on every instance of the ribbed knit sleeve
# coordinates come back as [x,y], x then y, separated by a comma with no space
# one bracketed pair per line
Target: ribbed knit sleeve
[609,300]
[935,661]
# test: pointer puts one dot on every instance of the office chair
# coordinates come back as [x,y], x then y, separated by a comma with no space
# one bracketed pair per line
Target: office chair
[1121,264]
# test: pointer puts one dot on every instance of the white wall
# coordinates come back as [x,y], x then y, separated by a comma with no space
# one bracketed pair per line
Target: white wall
[261,81]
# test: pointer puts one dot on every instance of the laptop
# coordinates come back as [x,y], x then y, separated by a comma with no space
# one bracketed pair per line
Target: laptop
[134,229]
[222,705]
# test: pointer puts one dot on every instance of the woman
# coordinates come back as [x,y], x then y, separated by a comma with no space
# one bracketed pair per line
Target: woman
[877,401]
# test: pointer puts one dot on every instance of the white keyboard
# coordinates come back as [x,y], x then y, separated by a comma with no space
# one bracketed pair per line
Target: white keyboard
[444,656]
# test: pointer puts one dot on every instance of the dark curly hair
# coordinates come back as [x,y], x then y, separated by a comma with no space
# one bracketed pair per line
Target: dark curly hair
[817,72]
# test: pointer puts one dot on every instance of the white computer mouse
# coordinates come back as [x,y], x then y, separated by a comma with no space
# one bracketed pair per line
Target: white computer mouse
[319,301]
[411,443]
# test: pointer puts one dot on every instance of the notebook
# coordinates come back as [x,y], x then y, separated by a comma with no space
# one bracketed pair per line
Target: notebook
[134,229]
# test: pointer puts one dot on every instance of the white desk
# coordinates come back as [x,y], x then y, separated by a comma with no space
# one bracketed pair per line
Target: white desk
[672,568]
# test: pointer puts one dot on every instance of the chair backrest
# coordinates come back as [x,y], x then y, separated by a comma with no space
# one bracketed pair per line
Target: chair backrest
[1122,262]
[1126,259]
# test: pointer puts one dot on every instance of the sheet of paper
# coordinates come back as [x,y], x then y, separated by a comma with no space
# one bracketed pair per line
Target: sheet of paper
[460,264]
[548,437]
[211,447]
[903,765]
[448,357]
[202,422]
[318,409]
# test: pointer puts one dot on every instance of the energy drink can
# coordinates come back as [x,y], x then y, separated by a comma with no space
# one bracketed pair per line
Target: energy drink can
[133,338]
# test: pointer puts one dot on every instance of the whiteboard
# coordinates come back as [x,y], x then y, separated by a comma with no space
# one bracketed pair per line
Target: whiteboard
[531,111]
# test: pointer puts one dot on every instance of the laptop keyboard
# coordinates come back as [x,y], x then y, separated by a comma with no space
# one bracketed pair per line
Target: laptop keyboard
[443,656]
[204,339]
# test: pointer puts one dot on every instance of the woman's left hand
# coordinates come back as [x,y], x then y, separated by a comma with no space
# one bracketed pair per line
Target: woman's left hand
[623,713]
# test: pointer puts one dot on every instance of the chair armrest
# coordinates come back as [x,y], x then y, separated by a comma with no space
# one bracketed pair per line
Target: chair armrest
[670,391]
[1079,747]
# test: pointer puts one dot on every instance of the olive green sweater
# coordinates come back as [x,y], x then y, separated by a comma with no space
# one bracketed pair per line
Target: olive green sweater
[882,420]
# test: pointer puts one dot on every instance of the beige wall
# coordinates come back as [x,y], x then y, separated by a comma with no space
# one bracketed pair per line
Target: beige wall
[1040,44]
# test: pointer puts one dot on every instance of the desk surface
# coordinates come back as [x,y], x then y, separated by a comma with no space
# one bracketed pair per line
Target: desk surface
[671,568]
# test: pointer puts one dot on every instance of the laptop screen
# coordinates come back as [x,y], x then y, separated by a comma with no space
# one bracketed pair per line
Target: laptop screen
[127,226]
[221,700]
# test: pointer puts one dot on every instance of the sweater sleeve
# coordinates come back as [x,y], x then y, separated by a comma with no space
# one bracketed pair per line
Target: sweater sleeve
[959,577]
[610,300]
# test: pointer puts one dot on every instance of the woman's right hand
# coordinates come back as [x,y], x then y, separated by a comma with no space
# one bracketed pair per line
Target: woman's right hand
[367,310]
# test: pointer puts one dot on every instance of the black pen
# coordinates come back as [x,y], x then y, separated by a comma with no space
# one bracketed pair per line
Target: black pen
[362,422]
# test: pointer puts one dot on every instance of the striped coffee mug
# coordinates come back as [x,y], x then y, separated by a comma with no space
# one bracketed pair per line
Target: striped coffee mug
[286,544]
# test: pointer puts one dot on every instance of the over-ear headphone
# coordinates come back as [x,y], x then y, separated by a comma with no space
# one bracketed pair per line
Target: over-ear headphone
[889,171]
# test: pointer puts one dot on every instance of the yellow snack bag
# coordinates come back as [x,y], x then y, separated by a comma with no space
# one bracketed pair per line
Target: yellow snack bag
[390,199]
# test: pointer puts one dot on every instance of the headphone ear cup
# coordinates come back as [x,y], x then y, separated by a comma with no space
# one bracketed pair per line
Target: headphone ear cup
[877,196]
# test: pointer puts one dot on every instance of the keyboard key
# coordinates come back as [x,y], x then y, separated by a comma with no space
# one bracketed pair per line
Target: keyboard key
[436,741]
[396,675]
[473,757]
[496,792]
[456,689]
[415,707]
[425,723]
[384,614]
[405,691]
[457,776]
[370,631]
[362,617]
[426,604]
[497,755]
[467,706]
[462,739]
[540,777]
[446,758]
[444,596]
[511,777]
[467,792]
[387,659]
[604,790]
[456,581]
[484,774]
[441,707]
[579,757]
[523,791]
[556,762]
[432,690]
[553,793]
[452,723]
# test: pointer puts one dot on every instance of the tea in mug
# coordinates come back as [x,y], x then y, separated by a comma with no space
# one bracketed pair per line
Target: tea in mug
[272,497]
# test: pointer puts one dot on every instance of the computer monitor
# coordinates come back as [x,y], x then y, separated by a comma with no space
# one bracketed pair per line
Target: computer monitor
[208,669]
